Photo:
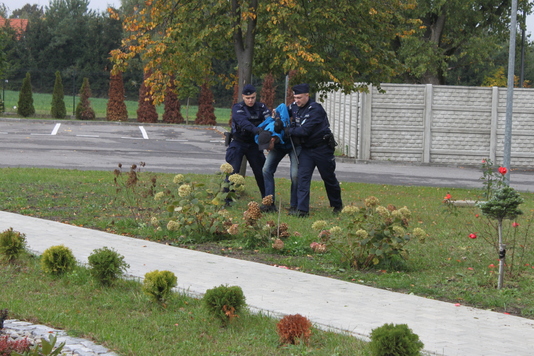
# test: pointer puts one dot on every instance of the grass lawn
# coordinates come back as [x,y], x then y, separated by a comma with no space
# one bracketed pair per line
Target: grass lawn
[42,104]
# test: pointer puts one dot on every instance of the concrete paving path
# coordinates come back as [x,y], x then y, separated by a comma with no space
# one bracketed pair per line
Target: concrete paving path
[444,328]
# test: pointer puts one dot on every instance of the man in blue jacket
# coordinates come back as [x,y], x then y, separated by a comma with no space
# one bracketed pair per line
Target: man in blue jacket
[246,116]
[310,125]
[273,140]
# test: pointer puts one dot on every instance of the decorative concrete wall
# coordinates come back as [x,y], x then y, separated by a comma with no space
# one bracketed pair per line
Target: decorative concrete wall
[432,124]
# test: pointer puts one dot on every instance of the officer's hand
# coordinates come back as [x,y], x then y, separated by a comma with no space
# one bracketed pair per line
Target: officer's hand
[286,132]
[260,130]
[278,126]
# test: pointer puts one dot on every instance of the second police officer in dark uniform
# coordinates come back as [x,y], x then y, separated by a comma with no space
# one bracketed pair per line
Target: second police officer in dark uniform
[310,125]
[246,116]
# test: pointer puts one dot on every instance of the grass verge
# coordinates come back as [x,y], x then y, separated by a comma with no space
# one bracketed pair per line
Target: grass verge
[123,319]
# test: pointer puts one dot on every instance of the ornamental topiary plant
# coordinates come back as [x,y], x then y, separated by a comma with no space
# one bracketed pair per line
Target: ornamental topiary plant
[12,244]
[106,265]
[224,302]
[395,340]
[57,260]
[159,284]
[294,328]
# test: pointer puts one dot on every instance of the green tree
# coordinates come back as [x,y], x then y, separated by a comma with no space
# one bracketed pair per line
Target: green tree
[331,45]
[25,105]
[84,111]
[453,34]
[58,110]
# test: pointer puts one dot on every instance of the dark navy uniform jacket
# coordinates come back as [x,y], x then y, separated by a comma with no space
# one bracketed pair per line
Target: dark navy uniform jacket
[310,123]
[245,120]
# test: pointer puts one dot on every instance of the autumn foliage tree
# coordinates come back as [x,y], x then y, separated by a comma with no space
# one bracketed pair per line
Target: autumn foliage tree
[333,45]
[58,109]
[172,114]
[84,111]
[146,111]
[116,108]
[206,111]
[25,105]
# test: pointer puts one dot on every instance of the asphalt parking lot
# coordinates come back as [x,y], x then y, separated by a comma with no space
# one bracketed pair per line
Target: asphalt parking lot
[191,149]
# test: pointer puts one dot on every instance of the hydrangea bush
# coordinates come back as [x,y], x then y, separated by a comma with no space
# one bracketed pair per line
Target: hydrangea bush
[371,234]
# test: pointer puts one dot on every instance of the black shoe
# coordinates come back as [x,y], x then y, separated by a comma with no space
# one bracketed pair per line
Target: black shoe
[268,209]
[337,210]
[299,213]
[292,210]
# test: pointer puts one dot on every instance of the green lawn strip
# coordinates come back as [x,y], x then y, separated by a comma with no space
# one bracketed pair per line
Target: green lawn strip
[42,105]
[449,266]
[124,319]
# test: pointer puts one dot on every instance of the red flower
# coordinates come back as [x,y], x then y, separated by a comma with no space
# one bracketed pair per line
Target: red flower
[447,197]
[491,266]
[472,236]
[502,170]
[514,224]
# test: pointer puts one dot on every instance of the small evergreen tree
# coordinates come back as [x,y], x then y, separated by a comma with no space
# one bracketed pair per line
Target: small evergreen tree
[268,91]
[84,111]
[172,114]
[206,110]
[116,109]
[25,105]
[58,110]
[146,111]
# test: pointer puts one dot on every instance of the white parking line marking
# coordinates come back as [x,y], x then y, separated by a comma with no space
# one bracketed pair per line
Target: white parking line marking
[55,130]
[143,131]
[3,133]
[87,136]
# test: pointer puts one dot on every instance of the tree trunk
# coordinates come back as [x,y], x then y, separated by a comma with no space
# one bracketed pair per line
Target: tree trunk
[244,42]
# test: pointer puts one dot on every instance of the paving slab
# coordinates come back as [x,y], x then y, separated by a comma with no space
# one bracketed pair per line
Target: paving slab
[445,328]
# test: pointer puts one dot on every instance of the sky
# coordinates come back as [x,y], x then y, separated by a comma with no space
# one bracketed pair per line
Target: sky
[99,5]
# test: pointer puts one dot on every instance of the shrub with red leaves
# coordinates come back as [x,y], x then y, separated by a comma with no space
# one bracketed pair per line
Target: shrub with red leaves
[7,346]
[146,111]
[293,328]
[206,110]
[268,91]
[172,114]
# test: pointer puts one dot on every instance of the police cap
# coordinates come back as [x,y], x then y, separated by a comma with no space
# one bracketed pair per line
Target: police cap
[301,88]
[249,89]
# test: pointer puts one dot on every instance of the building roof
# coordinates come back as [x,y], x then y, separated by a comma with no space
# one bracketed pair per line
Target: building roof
[19,25]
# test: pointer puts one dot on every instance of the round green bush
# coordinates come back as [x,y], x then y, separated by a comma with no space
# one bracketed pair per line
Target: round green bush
[224,301]
[12,244]
[57,260]
[159,284]
[106,265]
[395,340]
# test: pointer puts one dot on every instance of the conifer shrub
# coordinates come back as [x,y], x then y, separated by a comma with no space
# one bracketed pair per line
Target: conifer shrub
[58,109]
[224,302]
[84,111]
[57,260]
[116,107]
[294,328]
[268,91]
[395,340]
[172,114]
[146,111]
[158,285]
[107,265]
[206,110]
[25,105]
[12,244]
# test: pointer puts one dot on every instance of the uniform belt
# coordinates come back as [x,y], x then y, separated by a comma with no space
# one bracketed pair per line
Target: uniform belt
[319,144]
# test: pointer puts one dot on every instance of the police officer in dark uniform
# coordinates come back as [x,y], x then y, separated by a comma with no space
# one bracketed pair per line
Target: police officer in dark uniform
[310,126]
[246,116]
